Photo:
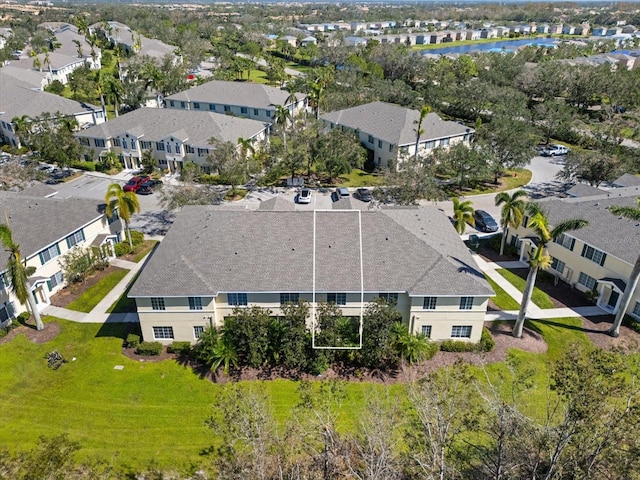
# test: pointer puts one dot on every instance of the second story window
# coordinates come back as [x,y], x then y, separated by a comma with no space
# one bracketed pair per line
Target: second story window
[157,303]
[99,142]
[466,303]
[389,297]
[75,238]
[429,303]
[337,298]
[289,298]
[195,303]
[160,146]
[565,240]
[49,253]
[593,254]
[238,299]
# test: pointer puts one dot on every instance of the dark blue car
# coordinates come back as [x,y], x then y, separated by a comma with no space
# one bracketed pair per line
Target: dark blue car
[485,222]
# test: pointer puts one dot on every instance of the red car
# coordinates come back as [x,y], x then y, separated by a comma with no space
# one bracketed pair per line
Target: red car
[134,184]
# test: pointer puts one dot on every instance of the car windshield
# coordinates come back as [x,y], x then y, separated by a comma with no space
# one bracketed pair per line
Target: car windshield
[305,193]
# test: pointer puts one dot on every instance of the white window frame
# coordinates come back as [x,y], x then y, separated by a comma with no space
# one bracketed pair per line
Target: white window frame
[55,280]
[163,333]
[157,303]
[636,310]
[51,252]
[198,330]
[75,238]
[558,263]
[429,303]
[466,303]
[389,297]
[587,281]
[195,303]
[461,331]
[426,331]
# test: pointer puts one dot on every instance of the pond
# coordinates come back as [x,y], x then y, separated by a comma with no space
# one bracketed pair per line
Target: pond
[498,46]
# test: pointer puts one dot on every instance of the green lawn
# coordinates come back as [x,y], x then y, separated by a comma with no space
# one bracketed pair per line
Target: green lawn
[146,247]
[147,412]
[511,179]
[124,304]
[538,297]
[94,294]
[360,178]
[503,300]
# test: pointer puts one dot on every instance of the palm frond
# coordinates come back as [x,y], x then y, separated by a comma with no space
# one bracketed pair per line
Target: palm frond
[627,212]
[568,225]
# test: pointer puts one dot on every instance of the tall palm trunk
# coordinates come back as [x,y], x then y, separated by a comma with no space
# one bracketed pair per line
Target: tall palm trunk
[504,239]
[526,298]
[129,235]
[31,299]
[614,331]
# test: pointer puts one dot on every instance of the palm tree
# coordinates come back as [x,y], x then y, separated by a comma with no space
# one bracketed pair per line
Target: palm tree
[18,274]
[410,347]
[246,147]
[110,160]
[462,214]
[282,117]
[125,202]
[424,111]
[37,63]
[79,48]
[539,223]
[22,127]
[632,213]
[101,87]
[113,91]
[512,212]
[47,61]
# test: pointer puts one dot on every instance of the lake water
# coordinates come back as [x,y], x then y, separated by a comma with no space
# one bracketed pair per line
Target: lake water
[499,46]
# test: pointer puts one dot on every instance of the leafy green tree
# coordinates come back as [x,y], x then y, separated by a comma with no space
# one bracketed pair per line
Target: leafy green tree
[125,203]
[589,166]
[295,342]
[462,214]
[632,213]
[247,330]
[149,162]
[233,168]
[512,212]
[337,152]
[378,335]
[22,128]
[18,273]
[465,163]
[540,259]
[415,181]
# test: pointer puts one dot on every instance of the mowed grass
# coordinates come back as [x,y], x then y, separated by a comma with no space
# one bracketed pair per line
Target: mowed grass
[503,300]
[146,413]
[538,297]
[125,304]
[360,178]
[94,294]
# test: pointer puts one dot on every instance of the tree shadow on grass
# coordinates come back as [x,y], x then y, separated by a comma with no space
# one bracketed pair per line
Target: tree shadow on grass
[552,323]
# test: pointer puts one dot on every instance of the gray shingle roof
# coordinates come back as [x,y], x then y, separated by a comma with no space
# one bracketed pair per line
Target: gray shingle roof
[248,94]
[394,124]
[23,76]
[614,235]
[38,222]
[277,204]
[584,190]
[157,123]
[208,250]
[19,99]
[38,190]
[627,180]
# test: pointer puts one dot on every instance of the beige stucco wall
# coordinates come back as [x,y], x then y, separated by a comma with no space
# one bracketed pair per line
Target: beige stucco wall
[43,293]
[178,315]
[613,266]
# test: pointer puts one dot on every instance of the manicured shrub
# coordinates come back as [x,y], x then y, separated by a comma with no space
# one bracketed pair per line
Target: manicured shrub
[149,348]
[487,342]
[24,317]
[431,350]
[87,166]
[122,248]
[132,340]
[181,348]
[509,250]
[457,346]
[136,237]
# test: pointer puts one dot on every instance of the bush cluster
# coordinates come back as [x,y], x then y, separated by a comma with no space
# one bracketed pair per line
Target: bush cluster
[121,248]
[149,348]
[485,344]
[132,340]
[87,166]
[80,262]
[509,250]
[181,348]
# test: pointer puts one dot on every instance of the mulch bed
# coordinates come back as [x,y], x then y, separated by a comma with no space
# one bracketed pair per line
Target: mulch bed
[51,330]
[69,293]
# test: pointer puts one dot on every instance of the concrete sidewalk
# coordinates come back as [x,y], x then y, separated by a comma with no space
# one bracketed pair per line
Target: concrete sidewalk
[99,313]
[533,311]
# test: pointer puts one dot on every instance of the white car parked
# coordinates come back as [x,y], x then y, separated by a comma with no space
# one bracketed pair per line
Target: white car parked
[555,150]
[304,196]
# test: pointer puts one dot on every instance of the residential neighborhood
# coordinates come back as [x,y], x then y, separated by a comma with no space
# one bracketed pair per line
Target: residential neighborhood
[307,241]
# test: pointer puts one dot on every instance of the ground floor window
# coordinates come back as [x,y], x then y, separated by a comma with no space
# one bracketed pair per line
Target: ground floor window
[6,312]
[587,281]
[461,331]
[198,330]
[557,265]
[636,309]
[54,280]
[426,331]
[163,333]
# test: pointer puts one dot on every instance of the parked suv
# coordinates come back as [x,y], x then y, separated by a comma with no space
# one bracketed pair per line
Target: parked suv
[135,183]
[485,222]
[363,194]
